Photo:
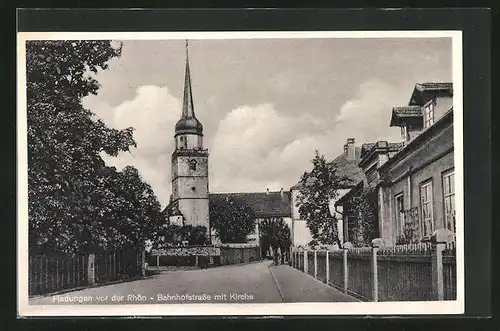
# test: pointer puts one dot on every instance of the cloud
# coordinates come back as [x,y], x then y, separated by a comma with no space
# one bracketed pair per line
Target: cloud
[153,113]
[258,147]
[254,147]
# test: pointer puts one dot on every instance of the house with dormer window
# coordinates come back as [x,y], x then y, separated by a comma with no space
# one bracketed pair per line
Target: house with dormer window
[414,180]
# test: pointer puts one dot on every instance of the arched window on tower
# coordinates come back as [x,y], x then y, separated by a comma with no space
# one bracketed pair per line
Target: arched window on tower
[192,165]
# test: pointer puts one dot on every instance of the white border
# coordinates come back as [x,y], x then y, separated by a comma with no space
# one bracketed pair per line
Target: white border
[281,309]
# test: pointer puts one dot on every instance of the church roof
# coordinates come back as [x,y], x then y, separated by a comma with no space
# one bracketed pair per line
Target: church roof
[188,122]
[263,204]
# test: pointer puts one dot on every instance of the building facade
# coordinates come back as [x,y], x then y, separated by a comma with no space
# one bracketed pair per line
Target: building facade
[418,182]
[414,180]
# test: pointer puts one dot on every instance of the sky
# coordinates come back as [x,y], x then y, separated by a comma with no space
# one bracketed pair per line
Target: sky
[266,104]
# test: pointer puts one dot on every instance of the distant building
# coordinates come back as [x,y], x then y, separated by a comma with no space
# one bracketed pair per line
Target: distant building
[265,205]
[414,180]
[347,167]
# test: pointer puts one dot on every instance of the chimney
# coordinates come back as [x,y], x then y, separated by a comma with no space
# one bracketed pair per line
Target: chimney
[350,149]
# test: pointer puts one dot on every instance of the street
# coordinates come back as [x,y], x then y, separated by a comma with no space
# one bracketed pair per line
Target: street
[250,283]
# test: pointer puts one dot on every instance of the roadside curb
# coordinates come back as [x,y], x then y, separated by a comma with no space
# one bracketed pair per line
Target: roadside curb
[280,290]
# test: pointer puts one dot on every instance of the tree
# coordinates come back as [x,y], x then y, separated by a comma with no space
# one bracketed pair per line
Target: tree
[232,220]
[75,201]
[316,189]
[275,233]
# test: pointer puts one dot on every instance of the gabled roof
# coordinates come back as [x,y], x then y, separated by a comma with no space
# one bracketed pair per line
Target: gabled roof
[347,169]
[349,195]
[263,204]
[369,150]
[419,140]
[405,114]
[423,92]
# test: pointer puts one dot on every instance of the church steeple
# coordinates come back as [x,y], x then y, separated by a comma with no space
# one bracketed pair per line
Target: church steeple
[187,106]
[188,124]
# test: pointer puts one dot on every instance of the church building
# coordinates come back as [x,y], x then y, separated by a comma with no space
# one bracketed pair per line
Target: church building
[189,199]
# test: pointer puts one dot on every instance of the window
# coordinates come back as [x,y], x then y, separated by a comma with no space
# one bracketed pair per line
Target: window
[182,142]
[427,221]
[429,115]
[404,134]
[449,199]
[400,213]
[192,165]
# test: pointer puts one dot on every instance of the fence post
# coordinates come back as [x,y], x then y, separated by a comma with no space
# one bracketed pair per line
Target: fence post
[305,262]
[315,264]
[347,245]
[91,269]
[439,239]
[377,243]
[327,277]
[143,262]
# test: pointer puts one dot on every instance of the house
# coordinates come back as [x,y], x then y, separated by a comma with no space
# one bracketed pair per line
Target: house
[265,205]
[372,156]
[348,169]
[414,180]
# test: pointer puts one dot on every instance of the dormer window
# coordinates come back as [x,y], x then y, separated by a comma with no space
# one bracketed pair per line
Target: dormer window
[429,114]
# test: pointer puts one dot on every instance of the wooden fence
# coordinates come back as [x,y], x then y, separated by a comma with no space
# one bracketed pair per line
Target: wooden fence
[419,272]
[235,255]
[55,272]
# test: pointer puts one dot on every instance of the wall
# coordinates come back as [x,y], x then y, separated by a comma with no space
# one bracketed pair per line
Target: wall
[180,166]
[428,161]
[191,141]
[300,231]
[195,211]
[443,104]
[302,235]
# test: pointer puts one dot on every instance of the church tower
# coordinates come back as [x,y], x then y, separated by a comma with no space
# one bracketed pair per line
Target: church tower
[190,163]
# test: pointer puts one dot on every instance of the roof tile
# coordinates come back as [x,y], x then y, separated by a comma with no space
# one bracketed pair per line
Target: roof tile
[263,204]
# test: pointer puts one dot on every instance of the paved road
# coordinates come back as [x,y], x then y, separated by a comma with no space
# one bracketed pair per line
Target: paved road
[251,283]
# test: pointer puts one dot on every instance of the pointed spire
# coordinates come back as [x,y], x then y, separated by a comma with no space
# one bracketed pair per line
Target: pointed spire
[188,123]
[187,105]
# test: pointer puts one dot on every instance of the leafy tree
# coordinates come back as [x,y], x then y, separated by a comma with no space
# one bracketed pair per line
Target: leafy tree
[232,220]
[75,201]
[174,235]
[316,189]
[194,235]
[365,206]
[275,234]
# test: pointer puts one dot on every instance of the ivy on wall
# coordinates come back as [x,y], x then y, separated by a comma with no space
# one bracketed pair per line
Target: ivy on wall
[365,207]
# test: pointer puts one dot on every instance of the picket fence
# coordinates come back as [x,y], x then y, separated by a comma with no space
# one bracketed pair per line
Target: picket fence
[50,273]
[419,272]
